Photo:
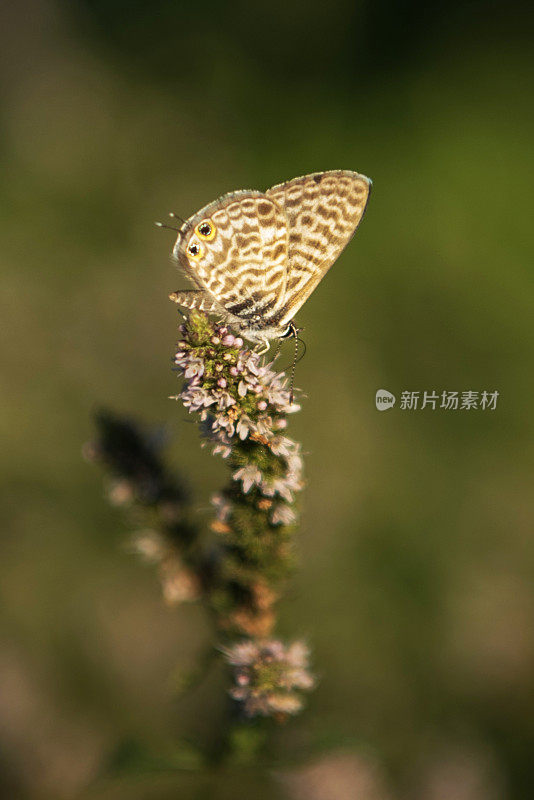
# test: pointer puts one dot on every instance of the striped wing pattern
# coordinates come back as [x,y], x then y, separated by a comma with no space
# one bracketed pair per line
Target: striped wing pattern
[195,298]
[270,250]
[243,268]
[323,211]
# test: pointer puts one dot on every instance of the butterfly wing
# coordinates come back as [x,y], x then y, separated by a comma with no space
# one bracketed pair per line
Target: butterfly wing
[195,298]
[242,264]
[323,211]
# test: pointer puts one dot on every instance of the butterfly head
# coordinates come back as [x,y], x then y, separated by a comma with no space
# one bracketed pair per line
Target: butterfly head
[194,242]
[290,331]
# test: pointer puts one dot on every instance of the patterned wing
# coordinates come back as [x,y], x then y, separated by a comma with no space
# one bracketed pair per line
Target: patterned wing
[323,211]
[235,250]
[195,298]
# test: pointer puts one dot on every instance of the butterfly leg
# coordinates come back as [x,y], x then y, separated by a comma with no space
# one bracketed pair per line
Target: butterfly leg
[278,349]
[265,345]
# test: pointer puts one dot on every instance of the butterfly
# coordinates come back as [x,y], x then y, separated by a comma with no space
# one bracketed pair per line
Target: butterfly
[255,257]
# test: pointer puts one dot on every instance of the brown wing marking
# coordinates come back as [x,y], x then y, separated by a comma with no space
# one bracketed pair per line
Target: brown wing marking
[243,267]
[193,298]
[323,210]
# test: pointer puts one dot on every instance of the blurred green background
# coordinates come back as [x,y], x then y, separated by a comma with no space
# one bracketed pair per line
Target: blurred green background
[417,544]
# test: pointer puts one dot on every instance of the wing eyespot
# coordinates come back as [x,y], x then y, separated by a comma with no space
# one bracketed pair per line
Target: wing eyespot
[194,250]
[206,230]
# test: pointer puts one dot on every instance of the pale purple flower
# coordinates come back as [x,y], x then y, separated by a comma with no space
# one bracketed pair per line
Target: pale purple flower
[223,507]
[281,446]
[242,403]
[269,676]
[264,426]
[150,545]
[120,492]
[275,486]
[283,514]
[279,703]
[224,422]
[249,476]
[224,399]
[223,450]
[252,364]
[242,654]
[269,386]
[196,398]
[179,584]
[195,366]
[278,395]
[244,426]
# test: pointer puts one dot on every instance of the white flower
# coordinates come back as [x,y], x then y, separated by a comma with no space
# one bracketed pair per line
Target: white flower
[283,703]
[281,446]
[150,545]
[279,486]
[252,364]
[223,506]
[244,426]
[224,422]
[223,449]
[283,515]
[264,426]
[242,654]
[249,475]
[196,398]
[179,584]
[224,398]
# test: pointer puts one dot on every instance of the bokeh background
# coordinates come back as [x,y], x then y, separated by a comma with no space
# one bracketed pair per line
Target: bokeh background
[417,543]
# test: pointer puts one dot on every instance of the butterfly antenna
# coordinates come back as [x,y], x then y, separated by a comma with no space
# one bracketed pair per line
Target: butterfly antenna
[294,364]
[169,227]
[303,343]
[177,216]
